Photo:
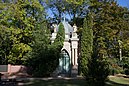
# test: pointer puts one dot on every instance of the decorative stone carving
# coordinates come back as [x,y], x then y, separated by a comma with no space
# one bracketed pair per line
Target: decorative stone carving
[74,28]
[74,35]
[55,27]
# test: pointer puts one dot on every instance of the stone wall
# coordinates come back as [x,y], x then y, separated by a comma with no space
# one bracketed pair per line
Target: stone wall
[15,70]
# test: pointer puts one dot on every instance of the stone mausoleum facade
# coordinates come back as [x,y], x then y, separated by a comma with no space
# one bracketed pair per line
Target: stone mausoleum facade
[68,62]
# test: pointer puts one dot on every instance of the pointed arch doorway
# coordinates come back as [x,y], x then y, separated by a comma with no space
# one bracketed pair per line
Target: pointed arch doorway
[64,63]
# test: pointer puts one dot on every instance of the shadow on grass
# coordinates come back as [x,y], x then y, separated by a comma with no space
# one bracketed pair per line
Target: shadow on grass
[58,82]
[66,82]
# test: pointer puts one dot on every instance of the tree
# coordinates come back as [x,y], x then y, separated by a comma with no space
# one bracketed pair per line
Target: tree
[98,70]
[57,8]
[76,1]
[5,43]
[86,44]
[108,23]
[44,53]
[125,35]
[64,7]
[38,58]
[59,41]
[25,38]
[18,21]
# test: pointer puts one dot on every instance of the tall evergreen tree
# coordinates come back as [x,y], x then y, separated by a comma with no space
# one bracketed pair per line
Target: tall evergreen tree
[59,41]
[86,44]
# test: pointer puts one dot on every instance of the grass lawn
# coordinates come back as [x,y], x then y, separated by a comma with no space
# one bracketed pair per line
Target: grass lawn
[113,81]
[117,81]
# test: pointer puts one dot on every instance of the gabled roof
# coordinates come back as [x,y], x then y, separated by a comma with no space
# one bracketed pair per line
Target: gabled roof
[68,28]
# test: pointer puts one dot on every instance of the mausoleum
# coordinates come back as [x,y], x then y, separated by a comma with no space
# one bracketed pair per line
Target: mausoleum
[68,62]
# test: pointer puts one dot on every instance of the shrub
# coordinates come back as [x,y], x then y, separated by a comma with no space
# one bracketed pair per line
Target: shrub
[126,71]
[44,57]
[125,62]
[98,70]
[114,66]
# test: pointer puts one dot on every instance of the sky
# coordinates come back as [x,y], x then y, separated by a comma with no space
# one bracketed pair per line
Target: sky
[124,3]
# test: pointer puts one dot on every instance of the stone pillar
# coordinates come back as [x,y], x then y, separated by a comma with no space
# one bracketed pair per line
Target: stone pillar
[76,57]
[9,68]
[73,56]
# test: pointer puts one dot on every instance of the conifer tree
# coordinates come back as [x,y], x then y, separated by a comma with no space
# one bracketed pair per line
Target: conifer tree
[58,44]
[86,44]
[60,37]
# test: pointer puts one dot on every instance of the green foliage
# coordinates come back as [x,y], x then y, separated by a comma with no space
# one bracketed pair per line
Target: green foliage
[59,41]
[125,62]
[86,44]
[126,71]
[25,38]
[45,56]
[5,44]
[38,61]
[115,66]
[75,9]
[76,1]
[19,27]
[125,48]
[108,26]
[107,23]
[18,20]
[98,70]
[55,48]
[125,65]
